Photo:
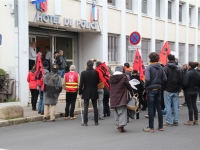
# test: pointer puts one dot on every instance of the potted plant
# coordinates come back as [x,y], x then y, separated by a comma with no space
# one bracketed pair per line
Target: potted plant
[3,83]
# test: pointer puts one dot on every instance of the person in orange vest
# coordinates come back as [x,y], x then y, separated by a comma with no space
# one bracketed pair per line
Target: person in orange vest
[71,82]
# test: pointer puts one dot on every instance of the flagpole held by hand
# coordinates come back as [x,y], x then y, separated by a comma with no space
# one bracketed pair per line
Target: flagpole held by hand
[79,97]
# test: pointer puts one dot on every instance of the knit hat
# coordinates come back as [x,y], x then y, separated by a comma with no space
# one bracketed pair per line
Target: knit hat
[54,68]
[119,68]
[45,64]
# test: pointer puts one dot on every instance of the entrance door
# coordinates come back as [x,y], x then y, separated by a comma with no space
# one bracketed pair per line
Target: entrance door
[65,44]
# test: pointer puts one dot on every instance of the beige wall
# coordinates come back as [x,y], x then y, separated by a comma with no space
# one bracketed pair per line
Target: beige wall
[114,21]
[192,2]
[192,36]
[7,49]
[146,27]
[160,32]
[131,23]
[171,31]
[182,34]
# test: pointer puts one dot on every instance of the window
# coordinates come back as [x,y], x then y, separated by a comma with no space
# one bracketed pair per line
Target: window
[111,2]
[180,12]
[198,54]
[169,10]
[191,52]
[181,53]
[129,53]
[112,48]
[199,18]
[129,4]
[157,8]
[145,49]
[144,6]
[190,15]
[172,46]
[159,45]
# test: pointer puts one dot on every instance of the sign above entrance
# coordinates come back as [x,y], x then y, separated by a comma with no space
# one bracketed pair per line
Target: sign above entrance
[0,39]
[67,22]
[134,38]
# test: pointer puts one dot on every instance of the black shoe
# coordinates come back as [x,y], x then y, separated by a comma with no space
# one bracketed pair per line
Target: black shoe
[184,104]
[42,113]
[39,112]
[175,123]
[143,109]
[96,124]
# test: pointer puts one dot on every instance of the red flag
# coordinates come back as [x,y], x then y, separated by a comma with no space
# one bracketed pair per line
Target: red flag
[39,72]
[164,53]
[104,75]
[138,65]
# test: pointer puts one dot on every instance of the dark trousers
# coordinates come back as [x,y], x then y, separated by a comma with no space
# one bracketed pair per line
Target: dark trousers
[86,104]
[142,101]
[191,100]
[154,96]
[162,100]
[34,97]
[31,64]
[106,107]
[49,64]
[70,101]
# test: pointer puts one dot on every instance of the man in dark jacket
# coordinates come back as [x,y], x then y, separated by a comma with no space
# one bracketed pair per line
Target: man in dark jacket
[171,90]
[119,96]
[88,89]
[154,78]
[61,62]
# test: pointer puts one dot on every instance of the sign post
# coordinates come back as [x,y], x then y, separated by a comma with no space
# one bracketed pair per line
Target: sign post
[0,39]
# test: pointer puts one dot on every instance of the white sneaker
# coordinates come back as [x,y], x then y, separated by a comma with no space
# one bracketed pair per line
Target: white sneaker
[146,116]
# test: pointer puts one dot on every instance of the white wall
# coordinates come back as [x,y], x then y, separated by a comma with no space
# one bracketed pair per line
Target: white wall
[7,52]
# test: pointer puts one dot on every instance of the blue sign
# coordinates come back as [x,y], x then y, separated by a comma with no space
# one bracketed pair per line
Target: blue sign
[0,39]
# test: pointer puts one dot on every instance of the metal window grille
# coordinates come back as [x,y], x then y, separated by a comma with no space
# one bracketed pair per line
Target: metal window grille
[157,8]
[191,52]
[129,4]
[158,46]
[198,53]
[199,18]
[181,53]
[129,54]
[112,48]
[190,15]
[180,13]
[172,46]
[169,10]
[111,2]
[144,6]
[145,49]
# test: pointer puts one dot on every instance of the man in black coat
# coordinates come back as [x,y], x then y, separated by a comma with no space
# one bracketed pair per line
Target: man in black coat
[88,89]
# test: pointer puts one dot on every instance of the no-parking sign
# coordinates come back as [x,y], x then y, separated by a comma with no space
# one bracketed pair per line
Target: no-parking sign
[134,38]
[0,39]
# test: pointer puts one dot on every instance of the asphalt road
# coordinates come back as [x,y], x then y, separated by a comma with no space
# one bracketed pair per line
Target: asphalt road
[70,135]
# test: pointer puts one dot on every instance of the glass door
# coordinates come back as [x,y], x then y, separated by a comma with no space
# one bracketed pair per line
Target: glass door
[65,44]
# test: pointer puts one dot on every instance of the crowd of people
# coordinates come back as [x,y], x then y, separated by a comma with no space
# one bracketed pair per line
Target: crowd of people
[159,92]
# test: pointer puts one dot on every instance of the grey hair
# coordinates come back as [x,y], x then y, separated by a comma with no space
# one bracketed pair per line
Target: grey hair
[72,68]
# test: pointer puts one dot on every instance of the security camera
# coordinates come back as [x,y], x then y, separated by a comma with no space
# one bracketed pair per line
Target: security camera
[8,4]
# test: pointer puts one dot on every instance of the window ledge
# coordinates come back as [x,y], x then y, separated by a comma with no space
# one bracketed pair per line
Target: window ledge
[113,7]
[130,12]
[170,21]
[160,19]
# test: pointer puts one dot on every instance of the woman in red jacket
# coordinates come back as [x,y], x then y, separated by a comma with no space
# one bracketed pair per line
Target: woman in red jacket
[31,79]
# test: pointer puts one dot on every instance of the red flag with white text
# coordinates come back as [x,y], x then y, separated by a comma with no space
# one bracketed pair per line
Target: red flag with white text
[138,65]
[164,53]
[104,75]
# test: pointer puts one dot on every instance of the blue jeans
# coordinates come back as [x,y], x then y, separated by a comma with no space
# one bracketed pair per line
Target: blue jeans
[171,99]
[154,96]
[61,73]
[41,102]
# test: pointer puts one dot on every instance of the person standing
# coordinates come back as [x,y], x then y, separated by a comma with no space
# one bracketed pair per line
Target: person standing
[119,87]
[52,89]
[61,62]
[106,107]
[154,79]
[41,102]
[88,90]
[191,82]
[32,55]
[31,79]
[198,70]
[101,95]
[71,82]
[171,90]
[48,56]
[185,69]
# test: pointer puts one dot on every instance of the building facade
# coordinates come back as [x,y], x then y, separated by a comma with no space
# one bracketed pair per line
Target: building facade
[67,26]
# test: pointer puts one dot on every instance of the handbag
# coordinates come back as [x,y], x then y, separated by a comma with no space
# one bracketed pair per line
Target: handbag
[133,103]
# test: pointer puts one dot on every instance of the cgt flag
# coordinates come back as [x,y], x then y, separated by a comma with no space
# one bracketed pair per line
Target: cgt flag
[39,72]
[138,65]
[164,53]
[104,75]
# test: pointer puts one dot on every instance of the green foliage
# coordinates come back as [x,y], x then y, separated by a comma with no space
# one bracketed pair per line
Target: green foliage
[3,81]
[10,100]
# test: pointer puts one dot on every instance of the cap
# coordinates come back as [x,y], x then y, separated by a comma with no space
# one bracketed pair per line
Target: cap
[45,64]
[119,68]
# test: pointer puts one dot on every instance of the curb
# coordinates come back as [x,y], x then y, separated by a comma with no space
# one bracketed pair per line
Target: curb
[17,121]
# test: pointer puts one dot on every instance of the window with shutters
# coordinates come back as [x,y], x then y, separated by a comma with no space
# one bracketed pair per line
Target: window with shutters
[159,45]
[130,54]
[158,8]
[145,49]
[144,6]
[112,48]
[191,52]
[180,12]
[198,54]
[199,18]
[181,53]
[169,10]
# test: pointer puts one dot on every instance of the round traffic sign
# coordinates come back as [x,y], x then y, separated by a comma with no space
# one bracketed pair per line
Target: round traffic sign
[134,38]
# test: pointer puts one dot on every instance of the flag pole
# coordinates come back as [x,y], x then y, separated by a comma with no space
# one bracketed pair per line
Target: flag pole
[81,110]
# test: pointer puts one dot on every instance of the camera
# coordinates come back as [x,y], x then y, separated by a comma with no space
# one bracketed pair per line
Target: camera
[8,4]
